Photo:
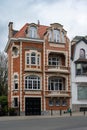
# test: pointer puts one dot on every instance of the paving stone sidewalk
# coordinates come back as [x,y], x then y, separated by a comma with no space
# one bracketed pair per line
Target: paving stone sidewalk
[6,118]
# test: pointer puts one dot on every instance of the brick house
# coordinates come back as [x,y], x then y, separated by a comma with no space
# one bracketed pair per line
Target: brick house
[38,68]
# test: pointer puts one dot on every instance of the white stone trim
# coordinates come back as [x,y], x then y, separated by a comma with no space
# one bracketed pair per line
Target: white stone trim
[22,39]
[44,76]
[20,76]
[11,90]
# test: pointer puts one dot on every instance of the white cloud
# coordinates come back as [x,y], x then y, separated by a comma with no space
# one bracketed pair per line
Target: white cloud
[70,13]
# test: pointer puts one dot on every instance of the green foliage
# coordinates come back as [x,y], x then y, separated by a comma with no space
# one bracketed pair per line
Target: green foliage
[3,74]
[3,105]
[12,111]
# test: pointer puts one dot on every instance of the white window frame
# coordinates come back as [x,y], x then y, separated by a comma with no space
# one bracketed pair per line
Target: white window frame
[52,84]
[82,53]
[56,61]
[30,82]
[16,81]
[37,58]
[33,32]
[56,35]
[15,55]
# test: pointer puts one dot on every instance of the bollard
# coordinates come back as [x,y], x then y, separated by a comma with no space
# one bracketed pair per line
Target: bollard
[70,112]
[60,112]
[84,112]
[51,112]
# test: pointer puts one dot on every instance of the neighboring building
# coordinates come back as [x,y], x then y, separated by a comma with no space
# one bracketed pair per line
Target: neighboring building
[38,68]
[79,73]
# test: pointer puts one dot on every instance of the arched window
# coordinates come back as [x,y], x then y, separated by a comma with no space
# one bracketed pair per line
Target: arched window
[54,59]
[15,51]
[33,32]
[56,83]
[82,53]
[32,82]
[56,35]
[15,81]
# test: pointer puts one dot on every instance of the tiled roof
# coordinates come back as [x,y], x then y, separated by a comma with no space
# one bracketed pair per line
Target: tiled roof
[22,31]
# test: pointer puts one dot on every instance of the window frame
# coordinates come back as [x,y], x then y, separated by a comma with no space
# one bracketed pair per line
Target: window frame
[82,53]
[56,35]
[32,82]
[15,100]
[56,61]
[81,69]
[33,32]
[56,84]
[16,82]
[28,58]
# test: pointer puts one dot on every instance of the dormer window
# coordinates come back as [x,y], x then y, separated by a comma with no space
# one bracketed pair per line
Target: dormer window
[82,53]
[56,35]
[33,32]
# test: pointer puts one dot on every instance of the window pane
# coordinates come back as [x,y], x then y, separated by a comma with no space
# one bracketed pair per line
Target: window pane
[51,103]
[56,35]
[32,82]
[33,32]
[33,58]
[63,38]
[15,85]
[56,84]
[82,53]
[82,92]
[15,102]
[57,102]
[27,58]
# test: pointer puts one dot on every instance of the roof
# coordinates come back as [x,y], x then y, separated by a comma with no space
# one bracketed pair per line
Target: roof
[81,60]
[22,32]
[78,39]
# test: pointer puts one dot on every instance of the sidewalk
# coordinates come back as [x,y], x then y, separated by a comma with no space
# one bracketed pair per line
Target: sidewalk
[6,118]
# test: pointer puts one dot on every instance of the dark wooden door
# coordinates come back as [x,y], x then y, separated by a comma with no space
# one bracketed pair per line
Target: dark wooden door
[32,106]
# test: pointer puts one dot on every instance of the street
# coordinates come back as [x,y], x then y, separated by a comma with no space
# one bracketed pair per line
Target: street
[54,123]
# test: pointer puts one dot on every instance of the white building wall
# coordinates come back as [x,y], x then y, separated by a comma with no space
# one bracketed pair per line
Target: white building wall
[77,79]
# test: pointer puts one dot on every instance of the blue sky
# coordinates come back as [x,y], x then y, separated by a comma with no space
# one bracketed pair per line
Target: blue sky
[72,14]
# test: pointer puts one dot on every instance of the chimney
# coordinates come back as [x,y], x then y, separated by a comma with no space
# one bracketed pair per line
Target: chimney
[38,22]
[10,29]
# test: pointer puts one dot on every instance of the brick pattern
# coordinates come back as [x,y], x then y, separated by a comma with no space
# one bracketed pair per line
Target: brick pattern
[17,64]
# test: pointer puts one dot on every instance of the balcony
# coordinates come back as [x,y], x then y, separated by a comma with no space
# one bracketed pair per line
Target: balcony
[56,68]
[62,93]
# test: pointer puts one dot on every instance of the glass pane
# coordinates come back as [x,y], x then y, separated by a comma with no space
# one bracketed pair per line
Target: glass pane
[57,102]
[82,92]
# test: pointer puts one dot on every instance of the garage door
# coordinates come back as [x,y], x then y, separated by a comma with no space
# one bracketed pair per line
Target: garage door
[32,106]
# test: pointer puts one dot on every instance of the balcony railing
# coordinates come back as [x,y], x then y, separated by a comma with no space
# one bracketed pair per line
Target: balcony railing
[57,93]
[57,68]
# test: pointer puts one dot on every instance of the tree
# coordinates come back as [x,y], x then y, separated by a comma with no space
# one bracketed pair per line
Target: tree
[3,74]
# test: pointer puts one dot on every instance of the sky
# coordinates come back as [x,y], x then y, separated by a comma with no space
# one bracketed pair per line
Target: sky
[72,14]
